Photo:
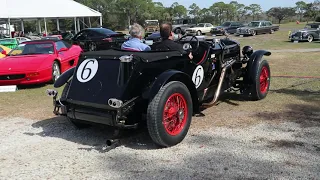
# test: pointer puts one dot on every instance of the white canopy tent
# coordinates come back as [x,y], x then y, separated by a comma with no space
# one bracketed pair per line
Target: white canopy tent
[13,10]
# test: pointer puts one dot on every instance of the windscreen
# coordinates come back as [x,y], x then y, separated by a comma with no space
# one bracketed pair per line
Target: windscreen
[33,48]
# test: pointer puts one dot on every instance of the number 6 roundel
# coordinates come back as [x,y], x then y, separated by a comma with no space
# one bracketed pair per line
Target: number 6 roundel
[198,75]
[87,70]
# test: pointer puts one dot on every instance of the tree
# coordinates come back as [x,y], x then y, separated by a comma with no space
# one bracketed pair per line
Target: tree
[240,10]
[178,10]
[281,13]
[312,10]
[195,11]
[301,8]
[254,10]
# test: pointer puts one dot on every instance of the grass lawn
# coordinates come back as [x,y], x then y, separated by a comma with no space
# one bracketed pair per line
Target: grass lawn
[293,99]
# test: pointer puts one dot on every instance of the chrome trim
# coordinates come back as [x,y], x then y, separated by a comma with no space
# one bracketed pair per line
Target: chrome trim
[126,58]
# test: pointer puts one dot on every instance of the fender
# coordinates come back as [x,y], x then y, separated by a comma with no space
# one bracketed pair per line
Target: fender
[255,59]
[64,78]
[173,75]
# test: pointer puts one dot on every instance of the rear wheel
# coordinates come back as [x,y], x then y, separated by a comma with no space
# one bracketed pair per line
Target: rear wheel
[55,71]
[169,114]
[310,38]
[261,83]
[92,46]
[271,31]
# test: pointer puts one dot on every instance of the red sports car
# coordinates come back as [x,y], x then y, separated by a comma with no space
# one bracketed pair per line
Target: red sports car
[39,61]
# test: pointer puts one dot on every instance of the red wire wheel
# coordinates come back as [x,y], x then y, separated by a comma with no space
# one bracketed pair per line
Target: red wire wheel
[175,114]
[261,76]
[169,114]
[264,79]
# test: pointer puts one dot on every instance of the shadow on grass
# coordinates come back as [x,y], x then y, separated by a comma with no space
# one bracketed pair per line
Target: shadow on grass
[95,136]
[307,115]
[33,86]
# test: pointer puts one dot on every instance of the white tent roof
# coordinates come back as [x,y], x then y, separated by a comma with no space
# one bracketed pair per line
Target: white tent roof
[44,9]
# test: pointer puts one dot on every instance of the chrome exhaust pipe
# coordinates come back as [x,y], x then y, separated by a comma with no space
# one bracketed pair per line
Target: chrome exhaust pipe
[110,142]
[217,93]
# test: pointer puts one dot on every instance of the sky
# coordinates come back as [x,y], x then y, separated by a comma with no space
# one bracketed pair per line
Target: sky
[265,4]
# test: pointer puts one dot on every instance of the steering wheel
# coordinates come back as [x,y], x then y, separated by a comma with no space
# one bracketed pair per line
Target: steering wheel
[187,46]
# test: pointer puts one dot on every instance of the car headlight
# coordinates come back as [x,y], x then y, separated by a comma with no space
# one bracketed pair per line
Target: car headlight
[304,34]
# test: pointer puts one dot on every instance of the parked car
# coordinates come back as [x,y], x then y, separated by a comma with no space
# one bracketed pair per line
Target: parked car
[9,42]
[227,27]
[52,37]
[151,26]
[93,39]
[199,29]
[257,27]
[155,37]
[116,87]
[179,26]
[310,33]
[22,39]
[40,61]
[4,51]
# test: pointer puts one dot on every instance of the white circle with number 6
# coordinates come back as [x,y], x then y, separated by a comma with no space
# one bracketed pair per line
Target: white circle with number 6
[87,70]
[198,75]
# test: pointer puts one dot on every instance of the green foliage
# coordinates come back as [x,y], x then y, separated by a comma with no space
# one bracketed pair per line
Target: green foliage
[119,14]
[281,13]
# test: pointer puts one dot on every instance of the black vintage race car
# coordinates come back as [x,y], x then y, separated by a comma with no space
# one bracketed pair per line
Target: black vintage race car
[116,87]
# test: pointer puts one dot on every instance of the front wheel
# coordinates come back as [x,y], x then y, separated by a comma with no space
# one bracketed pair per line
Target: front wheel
[169,114]
[199,33]
[261,83]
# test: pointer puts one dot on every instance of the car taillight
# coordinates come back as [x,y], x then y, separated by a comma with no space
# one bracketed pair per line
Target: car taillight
[32,74]
[107,39]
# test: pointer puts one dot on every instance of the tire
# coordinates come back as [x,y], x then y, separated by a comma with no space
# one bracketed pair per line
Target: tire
[254,33]
[76,123]
[92,46]
[261,83]
[199,33]
[56,71]
[271,31]
[163,135]
[310,38]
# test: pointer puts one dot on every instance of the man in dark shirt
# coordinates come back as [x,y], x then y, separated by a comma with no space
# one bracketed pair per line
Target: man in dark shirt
[167,43]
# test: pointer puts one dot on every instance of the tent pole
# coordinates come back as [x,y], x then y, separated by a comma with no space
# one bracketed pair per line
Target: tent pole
[45,26]
[89,22]
[9,27]
[39,25]
[75,25]
[78,22]
[58,25]
[101,21]
[22,26]
[83,24]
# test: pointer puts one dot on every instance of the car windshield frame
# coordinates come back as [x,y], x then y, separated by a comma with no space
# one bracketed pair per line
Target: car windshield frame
[201,25]
[37,50]
[254,24]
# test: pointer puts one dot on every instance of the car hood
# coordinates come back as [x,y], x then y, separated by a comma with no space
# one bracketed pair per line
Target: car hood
[25,63]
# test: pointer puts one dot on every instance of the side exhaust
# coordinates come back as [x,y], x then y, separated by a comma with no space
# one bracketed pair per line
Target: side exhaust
[111,142]
[218,91]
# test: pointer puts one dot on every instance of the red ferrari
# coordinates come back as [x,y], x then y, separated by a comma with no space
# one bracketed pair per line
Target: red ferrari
[36,62]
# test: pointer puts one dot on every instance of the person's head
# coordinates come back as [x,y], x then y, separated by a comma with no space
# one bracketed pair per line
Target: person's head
[166,31]
[136,31]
